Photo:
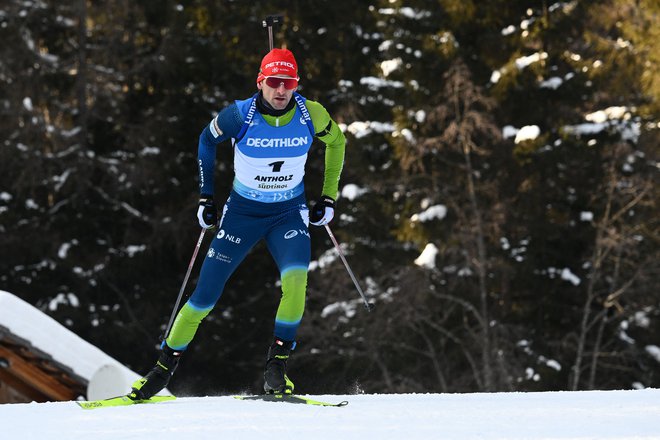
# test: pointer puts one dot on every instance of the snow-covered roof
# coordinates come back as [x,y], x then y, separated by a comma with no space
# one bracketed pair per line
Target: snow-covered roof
[65,347]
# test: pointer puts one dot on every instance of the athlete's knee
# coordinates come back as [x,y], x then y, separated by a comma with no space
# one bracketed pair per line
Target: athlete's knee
[294,285]
[193,313]
[185,325]
[294,280]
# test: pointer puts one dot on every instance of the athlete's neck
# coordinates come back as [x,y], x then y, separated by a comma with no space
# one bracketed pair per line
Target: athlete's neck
[266,109]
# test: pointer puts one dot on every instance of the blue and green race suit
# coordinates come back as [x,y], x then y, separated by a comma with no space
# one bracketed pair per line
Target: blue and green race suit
[266,202]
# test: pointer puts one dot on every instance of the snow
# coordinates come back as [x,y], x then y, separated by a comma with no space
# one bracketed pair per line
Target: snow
[65,299]
[616,118]
[132,250]
[327,258]
[352,191]
[150,151]
[508,30]
[27,104]
[509,131]
[348,308]
[629,131]
[63,250]
[569,276]
[586,216]
[49,336]
[609,113]
[551,83]
[427,257]
[641,318]
[523,62]
[527,133]
[653,351]
[406,12]
[374,83]
[603,415]
[430,213]
[406,134]
[361,129]
[389,66]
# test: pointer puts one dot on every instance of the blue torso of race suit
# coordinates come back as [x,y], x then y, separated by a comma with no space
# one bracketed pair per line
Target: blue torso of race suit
[269,161]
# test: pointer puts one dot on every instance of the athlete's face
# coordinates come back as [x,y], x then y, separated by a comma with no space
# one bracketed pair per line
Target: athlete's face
[275,91]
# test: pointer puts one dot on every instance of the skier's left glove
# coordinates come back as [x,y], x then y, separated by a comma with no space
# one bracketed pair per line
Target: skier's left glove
[322,211]
[207,212]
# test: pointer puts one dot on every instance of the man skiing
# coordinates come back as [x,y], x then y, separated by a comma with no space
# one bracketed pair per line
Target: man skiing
[272,133]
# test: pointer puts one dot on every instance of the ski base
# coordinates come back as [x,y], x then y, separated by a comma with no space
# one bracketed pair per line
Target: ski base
[290,398]
[121,401]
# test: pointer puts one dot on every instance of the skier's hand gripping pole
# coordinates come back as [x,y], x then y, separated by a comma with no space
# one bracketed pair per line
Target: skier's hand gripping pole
[369,306]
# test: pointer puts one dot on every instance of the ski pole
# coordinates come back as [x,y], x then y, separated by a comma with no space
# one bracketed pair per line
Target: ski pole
[185,281]
[269,22]
[369,306]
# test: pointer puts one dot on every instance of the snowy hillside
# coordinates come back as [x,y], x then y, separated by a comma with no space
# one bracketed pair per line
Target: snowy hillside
[529,416]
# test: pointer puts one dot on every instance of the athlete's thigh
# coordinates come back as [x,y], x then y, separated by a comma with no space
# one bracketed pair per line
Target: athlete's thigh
[289,240]
[233,240]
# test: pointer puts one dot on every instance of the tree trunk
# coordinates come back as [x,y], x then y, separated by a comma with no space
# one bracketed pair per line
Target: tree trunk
[82,72]
[596,262]
[480,264]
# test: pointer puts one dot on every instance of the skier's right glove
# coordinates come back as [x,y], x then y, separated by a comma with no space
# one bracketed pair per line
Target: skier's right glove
[207,212]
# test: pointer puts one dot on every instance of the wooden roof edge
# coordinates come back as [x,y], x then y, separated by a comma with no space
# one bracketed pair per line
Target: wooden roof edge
[14,339]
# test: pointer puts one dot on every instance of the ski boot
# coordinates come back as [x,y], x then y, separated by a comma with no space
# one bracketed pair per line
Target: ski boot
[158,377]
[275,379]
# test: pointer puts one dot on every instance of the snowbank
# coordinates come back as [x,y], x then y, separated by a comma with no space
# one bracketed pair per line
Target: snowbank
[602,415]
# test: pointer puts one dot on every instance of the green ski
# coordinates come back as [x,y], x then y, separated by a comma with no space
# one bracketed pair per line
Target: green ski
[121,401]
[290,398]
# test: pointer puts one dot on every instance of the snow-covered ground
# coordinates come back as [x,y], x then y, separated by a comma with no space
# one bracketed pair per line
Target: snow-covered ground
[511,416]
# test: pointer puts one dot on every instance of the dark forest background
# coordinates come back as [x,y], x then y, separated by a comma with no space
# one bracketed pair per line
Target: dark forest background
[542,273]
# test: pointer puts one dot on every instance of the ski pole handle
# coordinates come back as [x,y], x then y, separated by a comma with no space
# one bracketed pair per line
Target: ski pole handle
[185,281]
[369,306]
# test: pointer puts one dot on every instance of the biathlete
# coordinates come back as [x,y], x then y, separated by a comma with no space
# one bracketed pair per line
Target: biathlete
[272,133]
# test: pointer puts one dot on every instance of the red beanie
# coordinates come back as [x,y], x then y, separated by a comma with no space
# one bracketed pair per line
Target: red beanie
[278,62]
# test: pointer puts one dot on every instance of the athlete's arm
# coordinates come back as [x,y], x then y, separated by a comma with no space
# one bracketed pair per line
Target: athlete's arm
[329,133]
[225,125]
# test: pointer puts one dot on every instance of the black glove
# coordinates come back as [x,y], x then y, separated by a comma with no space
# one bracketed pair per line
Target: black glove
[322,211]
[207,212]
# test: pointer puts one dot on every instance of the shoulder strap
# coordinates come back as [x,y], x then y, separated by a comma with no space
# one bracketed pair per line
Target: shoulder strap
[300,101]
[248,119]
[306,116]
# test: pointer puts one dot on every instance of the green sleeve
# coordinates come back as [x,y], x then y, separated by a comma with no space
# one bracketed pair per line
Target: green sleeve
[329,133]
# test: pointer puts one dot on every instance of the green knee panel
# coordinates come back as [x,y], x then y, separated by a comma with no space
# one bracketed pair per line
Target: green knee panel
[185,326]
[292,304]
